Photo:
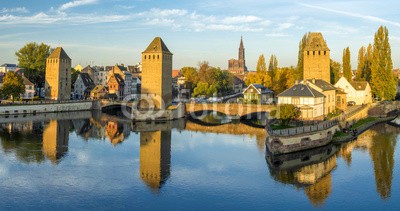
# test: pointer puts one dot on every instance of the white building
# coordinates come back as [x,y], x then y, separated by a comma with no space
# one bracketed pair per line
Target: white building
[8,67]
[357,91]
[83,85]
[310,101]
[29,89]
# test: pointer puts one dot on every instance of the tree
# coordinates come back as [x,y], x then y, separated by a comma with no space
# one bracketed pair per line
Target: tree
[383,82]
[346,64]
[32,57]
[362,53]
[205,89]
[300,62]
[13,85]
[191,78]
[335,70]
[261,76]
[368,62]
[74,76]
[273,73]
[288,112]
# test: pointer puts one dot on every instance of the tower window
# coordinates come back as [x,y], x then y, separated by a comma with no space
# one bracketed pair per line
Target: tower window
[144,56]
[154,56]
[324,52]
[308,53]
[313,53]
[158,56]
[319,52]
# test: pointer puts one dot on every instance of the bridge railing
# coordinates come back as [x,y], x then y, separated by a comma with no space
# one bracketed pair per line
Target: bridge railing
[41,102]
[302,129]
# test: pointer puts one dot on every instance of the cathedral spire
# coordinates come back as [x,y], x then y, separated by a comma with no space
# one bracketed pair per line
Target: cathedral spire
[241,49]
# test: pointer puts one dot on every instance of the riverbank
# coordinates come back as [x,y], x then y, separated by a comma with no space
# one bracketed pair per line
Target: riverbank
[45,107]
[361,126]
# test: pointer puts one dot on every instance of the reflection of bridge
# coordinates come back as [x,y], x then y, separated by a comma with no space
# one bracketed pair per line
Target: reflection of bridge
[230,109]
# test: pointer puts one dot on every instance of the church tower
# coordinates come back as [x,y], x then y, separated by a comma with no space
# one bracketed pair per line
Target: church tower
[157,75]
[58,75]
[238,67]
[316,58]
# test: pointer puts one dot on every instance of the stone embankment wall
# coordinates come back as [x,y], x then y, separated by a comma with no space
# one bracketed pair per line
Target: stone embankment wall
[45,107]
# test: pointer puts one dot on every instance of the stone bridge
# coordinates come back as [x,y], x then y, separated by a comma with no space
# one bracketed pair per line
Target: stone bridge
[229,109]
[385,108]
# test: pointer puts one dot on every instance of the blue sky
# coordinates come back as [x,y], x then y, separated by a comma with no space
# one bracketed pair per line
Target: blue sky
[106,32]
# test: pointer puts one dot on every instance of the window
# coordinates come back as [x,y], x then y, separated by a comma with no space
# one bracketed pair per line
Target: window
[313,53]
[319,52]
[308,53]
[295,100]
[324,52]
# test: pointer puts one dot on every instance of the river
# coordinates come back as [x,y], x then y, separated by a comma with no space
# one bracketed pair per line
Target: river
[83,160]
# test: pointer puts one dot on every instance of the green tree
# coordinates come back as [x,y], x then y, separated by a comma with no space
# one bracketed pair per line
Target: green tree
[32,57]
[261,76]
[335,70]
[74,76]
[13,85]
[383,82]
[362,53]
[273,69]
[300,62]
[203,88]
[346,64]
[368,62]
[190,74]
[287,112]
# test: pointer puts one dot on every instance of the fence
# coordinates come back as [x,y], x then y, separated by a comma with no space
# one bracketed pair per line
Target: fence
[303,129]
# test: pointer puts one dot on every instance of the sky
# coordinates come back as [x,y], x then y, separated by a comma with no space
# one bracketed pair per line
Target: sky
[106,32]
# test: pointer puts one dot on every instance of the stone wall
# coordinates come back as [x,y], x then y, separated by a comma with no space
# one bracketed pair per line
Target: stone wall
[233,109]
[45,108]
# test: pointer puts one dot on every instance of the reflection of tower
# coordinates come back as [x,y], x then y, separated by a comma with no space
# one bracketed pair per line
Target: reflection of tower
[55,140]
[155,157]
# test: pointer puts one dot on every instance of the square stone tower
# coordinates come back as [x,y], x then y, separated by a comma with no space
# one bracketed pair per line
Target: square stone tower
[156,75]
[58,75]
[316,58]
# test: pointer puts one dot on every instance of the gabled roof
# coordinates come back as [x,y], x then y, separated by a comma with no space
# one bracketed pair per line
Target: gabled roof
[359,85]
[87,80]
[99,88]
[259,88]
[87,69]
[176,73]
[118,78]
[59,53]
[340,91]
[315,42]
[301,90]
[27,82]
[157,46]
[322,84]
[237,80]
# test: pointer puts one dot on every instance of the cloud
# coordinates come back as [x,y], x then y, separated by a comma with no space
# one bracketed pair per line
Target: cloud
[283,26]
[276,35]
[14,10]
[76,3]
[240,19]
[352,14]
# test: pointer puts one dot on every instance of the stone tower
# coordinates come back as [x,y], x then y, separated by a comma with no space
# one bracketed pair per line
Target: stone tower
[157,75]
[316,58]
[155,157]
[58,75]
[238,67]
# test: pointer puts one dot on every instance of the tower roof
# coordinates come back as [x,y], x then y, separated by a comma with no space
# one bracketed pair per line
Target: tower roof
[241,42]
[59,53]
[315,42]
[157,46]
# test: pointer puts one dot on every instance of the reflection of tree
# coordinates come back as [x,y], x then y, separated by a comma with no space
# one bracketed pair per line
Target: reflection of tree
[155,157]
[382,155]
[25,143]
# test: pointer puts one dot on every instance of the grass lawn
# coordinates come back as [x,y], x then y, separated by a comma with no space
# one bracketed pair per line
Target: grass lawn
[364,121]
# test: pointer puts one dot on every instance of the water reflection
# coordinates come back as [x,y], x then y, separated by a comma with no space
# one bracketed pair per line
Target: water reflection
[380,142]
[155,157]
[311,171]
[308,169]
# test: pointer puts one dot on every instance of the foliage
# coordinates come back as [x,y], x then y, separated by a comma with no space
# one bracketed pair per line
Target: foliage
[74,76]
[335,70]
[300,62]
[190,74]
[362,53]
[346,64]
[13,85]
[203,88]
[32,57]
[273,72]
[288,112]
[261,76]
[382,81]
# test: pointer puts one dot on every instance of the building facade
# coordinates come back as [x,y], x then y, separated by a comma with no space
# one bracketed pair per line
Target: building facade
[357,91]
[83,86]
[259,94]
[29,89]
[8,67]
[116,86]
[328,90]
[58,75]
[308,100]
[238,66]
[156,76]
[316,58]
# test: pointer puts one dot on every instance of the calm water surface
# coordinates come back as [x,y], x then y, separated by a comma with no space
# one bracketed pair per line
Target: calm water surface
[88,161]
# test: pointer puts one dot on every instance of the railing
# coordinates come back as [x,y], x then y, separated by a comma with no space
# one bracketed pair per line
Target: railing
[303,129]
[41,102]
